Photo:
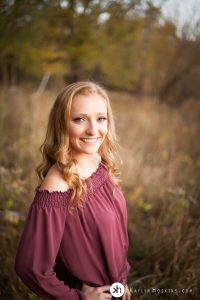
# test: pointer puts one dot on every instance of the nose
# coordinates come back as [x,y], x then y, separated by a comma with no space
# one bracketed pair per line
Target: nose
[92,128]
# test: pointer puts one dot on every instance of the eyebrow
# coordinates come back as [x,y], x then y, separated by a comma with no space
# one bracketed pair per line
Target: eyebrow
[86,115]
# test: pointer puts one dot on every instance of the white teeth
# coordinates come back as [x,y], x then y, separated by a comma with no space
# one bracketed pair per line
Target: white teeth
[90,140]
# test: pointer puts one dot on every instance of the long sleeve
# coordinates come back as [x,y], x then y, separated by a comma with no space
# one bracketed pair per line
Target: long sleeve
[39,246]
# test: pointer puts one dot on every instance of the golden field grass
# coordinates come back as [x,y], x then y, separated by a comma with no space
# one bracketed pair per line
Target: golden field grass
[160,149]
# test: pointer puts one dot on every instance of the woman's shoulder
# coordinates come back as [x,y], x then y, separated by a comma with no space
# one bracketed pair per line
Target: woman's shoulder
[54,181]
[53,192]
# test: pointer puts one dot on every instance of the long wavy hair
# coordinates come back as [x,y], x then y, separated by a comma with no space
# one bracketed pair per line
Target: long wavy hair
[56,147]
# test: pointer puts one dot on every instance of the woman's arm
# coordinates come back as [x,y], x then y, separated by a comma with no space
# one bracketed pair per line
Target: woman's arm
[39,246]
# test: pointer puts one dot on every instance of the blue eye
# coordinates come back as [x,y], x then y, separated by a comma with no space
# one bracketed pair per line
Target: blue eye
[78,120]
[81,120]
[102,119]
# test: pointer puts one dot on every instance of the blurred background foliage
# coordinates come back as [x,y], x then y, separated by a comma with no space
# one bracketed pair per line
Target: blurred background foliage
[127,45]
[151,69]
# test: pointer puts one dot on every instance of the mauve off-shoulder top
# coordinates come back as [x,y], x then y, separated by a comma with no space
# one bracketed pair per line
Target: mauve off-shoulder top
[58,251]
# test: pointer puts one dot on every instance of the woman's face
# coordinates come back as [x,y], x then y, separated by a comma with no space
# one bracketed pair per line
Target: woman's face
[88,124]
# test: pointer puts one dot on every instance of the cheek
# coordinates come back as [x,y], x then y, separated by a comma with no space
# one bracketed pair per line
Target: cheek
[74,131]
[104,130]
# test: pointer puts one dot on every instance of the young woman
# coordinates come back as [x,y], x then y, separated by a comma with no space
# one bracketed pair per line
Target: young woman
[74,244]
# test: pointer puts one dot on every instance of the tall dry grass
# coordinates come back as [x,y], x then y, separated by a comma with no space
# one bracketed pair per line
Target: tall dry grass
[161,167]
[160,147]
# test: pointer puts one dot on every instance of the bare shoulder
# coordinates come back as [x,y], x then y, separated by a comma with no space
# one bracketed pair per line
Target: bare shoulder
[54,181]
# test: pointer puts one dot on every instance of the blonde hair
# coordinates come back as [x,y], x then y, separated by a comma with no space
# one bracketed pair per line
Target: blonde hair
[56,147]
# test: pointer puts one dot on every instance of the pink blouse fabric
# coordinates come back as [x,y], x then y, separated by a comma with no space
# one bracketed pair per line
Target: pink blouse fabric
[58,251]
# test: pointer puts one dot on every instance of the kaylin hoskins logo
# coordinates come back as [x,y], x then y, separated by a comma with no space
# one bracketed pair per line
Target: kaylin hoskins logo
[117,289]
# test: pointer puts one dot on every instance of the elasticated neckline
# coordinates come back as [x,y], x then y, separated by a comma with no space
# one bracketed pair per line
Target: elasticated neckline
[94,181]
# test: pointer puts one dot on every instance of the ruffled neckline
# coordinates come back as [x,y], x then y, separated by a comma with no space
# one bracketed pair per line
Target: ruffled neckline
[94,181]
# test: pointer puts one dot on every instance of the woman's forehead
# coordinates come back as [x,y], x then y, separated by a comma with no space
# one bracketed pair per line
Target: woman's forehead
[88,104]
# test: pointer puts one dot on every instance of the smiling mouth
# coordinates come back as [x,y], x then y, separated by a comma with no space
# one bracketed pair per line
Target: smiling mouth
[89,140]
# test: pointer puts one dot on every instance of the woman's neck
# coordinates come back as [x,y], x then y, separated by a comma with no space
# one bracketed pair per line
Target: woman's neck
[87,164]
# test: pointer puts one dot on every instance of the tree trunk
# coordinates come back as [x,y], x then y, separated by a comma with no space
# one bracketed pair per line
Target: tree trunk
[4,74]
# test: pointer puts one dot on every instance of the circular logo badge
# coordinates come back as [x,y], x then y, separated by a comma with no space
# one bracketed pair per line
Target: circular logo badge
[117,289]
